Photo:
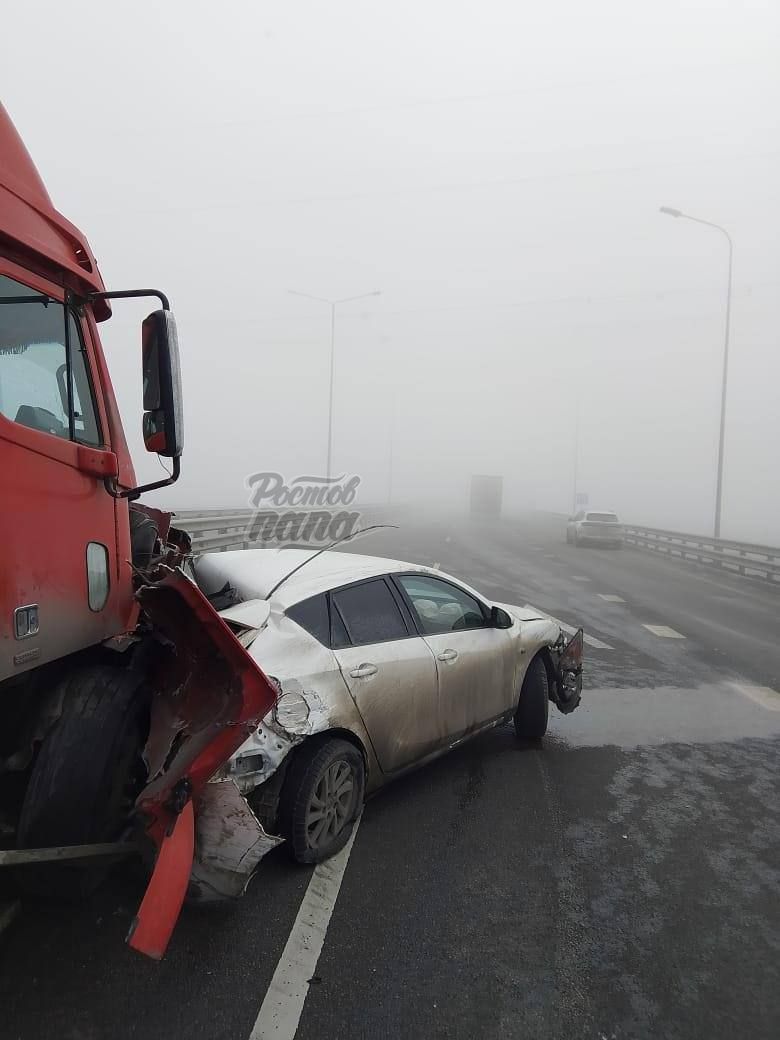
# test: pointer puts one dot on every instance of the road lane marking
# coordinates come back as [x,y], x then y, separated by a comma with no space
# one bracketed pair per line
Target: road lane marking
[763,695]
[281,1010]
[609,598]
[591,641]
[663,631]
[580,577]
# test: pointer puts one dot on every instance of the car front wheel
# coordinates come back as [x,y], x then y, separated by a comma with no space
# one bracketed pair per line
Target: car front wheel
[533,706]
[322,798]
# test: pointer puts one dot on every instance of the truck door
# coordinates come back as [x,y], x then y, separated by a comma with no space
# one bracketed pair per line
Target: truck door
[59,587]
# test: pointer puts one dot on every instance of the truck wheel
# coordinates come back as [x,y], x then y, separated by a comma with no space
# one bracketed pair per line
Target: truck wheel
[533,706]
[321,799]
[85,779]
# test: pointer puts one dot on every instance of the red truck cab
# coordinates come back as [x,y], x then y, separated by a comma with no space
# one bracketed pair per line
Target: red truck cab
[121,690]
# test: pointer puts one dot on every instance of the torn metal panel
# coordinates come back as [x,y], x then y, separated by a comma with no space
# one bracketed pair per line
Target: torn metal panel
[209,696]
[153,925]
[229,843]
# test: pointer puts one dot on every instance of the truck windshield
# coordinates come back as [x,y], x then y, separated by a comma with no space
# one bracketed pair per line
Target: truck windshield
[603,518]
[33,367]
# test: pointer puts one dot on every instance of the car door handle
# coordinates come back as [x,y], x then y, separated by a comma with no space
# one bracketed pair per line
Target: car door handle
[447,655]
[364,670]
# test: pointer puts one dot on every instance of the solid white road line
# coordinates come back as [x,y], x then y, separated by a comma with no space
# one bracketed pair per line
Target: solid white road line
[663,631]
[763,695]
[570,630]
[609,598]
[283,1004]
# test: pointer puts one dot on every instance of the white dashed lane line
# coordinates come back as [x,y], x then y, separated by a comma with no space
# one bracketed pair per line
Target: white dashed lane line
[591,641]
[609,598]
[763,695]
[580,577]
[663,631]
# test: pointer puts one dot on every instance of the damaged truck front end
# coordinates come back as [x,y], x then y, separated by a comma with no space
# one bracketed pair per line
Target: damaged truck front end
[209,697]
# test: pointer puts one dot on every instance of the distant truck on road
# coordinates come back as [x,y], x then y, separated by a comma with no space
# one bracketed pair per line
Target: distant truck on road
[487,494]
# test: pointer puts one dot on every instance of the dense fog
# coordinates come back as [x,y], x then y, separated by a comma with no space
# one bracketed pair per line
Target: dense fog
[495,171]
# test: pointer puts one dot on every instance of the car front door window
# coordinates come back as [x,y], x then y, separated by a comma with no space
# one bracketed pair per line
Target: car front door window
[474,659]
[441,607]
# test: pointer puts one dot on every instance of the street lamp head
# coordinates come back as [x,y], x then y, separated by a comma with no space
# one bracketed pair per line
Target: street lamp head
[671,212]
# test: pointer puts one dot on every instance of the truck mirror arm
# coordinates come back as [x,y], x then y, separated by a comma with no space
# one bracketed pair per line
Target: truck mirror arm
[134,493]
[126,294]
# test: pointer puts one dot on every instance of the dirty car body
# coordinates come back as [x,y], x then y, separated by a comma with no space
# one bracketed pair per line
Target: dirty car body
[402,661]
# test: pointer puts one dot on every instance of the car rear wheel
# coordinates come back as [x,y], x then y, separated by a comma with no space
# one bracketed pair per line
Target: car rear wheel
[321,800]
[533,706]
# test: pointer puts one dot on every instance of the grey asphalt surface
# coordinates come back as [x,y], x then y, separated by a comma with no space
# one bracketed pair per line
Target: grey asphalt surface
[618,881]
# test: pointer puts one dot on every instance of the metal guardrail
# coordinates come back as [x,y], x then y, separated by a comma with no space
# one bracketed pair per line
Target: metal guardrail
[217,530]
[761,562]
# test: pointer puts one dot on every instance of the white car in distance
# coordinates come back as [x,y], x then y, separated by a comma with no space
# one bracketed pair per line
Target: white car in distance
[589,527]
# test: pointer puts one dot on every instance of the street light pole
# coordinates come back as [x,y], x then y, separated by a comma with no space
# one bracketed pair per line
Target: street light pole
[724,380]
[576,456]
[328,466]
[332,304]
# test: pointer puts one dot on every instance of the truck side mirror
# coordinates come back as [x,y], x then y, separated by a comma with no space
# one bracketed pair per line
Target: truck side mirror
[163,427]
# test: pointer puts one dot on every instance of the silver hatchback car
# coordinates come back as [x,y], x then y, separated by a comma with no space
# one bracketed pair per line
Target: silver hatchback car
[592,528]
[380,666]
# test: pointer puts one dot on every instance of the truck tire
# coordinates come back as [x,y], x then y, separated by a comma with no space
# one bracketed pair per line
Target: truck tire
[86,777]
[533,705]
[326,781]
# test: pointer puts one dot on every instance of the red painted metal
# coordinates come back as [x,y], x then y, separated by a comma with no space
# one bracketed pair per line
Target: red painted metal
[153,925]
[210,695]
[29,220]
[217,695]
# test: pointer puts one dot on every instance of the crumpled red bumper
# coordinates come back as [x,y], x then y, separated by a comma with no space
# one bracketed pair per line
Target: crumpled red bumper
[209,696]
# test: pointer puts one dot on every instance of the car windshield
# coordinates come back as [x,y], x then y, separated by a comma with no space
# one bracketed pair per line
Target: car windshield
[602,518]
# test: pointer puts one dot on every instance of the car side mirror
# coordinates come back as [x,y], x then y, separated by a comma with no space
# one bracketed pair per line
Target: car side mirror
[162,423]
[499,618]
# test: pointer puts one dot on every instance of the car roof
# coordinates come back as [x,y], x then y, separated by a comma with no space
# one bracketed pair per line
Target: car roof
[254,572]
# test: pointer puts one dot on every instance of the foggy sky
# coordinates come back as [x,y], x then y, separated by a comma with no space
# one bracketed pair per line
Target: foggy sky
[495,169]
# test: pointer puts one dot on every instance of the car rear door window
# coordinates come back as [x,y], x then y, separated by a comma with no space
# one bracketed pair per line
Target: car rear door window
[440,606]
[369,612]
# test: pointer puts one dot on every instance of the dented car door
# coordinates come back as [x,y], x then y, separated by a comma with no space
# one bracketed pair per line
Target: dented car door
[389,670]
[475,661]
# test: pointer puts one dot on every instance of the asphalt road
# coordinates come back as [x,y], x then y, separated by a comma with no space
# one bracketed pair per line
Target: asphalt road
[620,881]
